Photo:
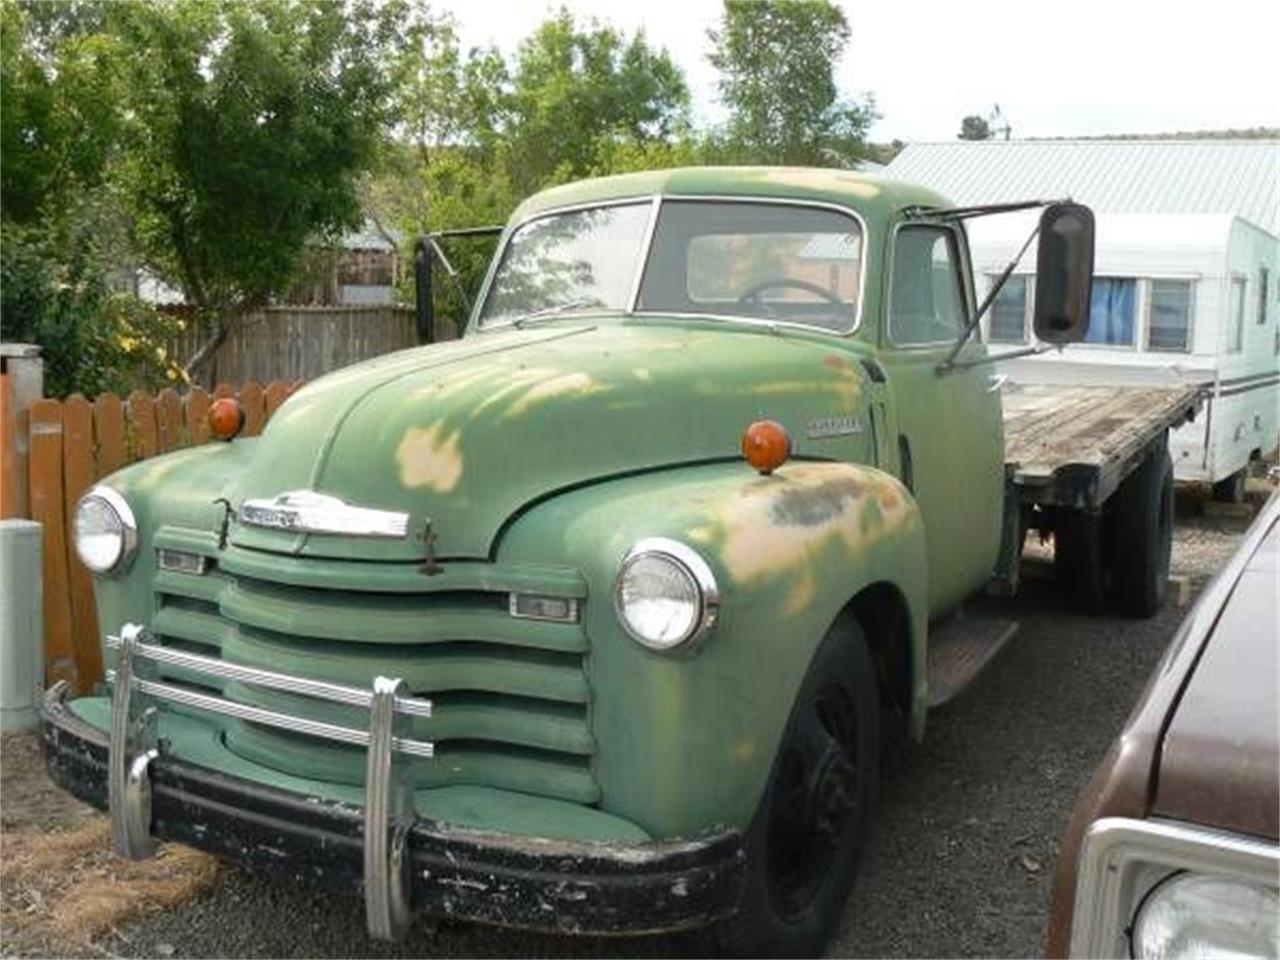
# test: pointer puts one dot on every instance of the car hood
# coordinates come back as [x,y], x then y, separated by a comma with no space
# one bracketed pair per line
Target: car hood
[1218,765]
[461,436]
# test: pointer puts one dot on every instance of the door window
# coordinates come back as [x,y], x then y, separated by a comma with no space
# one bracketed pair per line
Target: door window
[926,302]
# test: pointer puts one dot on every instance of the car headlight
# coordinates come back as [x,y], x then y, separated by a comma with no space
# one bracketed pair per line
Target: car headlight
[1200,915]
[106,533]
[665,594]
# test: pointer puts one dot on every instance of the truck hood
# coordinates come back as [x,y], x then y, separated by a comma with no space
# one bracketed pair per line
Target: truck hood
[461,436]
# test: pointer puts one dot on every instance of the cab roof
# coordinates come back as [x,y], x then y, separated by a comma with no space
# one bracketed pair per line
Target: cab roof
[873,196]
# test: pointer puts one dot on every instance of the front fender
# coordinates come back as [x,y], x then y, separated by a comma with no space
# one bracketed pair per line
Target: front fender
[685,742]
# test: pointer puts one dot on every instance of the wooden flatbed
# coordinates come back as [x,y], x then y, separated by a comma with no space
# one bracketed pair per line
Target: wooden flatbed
[1071,446]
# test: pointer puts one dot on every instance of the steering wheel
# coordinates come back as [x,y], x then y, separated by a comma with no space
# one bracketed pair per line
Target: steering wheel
[752,295]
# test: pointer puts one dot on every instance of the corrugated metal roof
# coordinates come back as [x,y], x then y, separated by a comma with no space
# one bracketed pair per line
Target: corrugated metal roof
[1112,176]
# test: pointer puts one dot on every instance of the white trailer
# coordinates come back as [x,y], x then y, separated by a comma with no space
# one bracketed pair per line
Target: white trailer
[1178,300]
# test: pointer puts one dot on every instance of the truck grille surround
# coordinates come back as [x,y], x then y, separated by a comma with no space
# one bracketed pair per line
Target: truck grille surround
[511,700]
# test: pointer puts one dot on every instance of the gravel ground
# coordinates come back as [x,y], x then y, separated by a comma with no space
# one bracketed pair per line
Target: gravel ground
[961,860]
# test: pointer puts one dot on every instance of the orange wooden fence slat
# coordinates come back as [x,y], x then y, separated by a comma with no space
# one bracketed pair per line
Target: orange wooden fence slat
[72,444]
[251,402]
[108,417]
[224,390]
[47,508]
[197,415]
[8,454]
[277,392]
[78,475]
[168,420]
[142,424]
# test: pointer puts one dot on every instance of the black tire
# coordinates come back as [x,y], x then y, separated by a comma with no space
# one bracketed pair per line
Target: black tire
[1140,537]
[1078,560]
[1231,489]
[807,836]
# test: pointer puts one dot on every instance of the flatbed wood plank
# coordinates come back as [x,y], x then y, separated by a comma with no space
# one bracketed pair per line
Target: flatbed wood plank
[1093,430]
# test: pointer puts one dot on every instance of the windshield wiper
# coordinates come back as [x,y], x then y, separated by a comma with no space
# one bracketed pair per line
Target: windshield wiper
[559,308]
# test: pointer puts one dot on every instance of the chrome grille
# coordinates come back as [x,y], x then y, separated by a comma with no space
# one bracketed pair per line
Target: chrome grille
[511,695]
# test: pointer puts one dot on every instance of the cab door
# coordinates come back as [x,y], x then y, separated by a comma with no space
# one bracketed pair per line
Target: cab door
[950,429]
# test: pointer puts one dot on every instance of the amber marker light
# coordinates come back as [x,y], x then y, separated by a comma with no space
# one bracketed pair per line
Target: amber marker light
[226,418]
[766,445]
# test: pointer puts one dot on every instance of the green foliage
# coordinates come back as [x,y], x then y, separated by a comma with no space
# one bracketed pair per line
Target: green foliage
[776,60]
[60,96]
[93,338]
[249,127]
[974,127]
[577,99]
[578,92]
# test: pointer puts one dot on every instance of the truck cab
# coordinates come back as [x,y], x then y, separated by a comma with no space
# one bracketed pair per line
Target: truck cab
[593,619]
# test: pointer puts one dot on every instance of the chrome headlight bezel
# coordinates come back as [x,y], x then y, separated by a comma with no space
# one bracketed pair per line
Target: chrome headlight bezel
[1123,860]
[128,535]
[686,563]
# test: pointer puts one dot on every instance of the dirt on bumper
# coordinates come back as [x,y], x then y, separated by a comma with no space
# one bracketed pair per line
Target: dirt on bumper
[537,884]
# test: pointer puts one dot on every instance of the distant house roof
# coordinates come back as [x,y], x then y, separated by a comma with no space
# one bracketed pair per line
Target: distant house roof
[369,237]
[1112,176]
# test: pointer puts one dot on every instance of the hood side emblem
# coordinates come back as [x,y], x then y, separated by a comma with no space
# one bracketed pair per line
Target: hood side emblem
[306,511]
[824,427]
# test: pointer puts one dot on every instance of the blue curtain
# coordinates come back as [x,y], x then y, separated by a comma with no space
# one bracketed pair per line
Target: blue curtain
[1111,311]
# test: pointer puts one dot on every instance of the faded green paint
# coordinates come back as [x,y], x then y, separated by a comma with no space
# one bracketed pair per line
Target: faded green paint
[538,457]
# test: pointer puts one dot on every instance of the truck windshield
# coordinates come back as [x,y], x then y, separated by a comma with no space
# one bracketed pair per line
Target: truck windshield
[582,259]
[772,261]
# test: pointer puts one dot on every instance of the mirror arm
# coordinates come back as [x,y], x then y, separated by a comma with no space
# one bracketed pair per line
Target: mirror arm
[949,363]
[448,268]
[1031,351]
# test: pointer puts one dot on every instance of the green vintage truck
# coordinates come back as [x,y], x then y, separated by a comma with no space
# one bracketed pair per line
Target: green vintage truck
[595,619]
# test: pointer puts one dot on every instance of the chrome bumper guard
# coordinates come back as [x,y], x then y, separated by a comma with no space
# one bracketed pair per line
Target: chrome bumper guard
[388,808]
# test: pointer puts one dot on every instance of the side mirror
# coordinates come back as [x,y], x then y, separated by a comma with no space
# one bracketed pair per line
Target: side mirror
[424,307]
[1064,273]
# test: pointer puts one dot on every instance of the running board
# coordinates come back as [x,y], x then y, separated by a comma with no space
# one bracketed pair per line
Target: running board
[958,650]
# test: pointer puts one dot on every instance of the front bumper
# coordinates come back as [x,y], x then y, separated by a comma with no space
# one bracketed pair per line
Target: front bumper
[504,879]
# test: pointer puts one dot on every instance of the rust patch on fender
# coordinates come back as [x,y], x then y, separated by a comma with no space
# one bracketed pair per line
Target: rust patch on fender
[784,523]
[427,457]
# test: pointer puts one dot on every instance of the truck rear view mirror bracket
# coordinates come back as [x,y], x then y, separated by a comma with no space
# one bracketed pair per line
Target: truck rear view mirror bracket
[1064,279]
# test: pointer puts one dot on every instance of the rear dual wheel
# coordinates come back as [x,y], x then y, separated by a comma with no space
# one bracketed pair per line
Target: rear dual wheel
[807,836]
[1120,559]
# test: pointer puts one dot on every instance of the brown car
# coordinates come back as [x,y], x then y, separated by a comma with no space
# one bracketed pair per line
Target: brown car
[1172,850]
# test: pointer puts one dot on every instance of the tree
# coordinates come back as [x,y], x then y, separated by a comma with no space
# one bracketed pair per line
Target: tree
[578,93]
[974,127]
[776,60]
[60,95]
[247,129]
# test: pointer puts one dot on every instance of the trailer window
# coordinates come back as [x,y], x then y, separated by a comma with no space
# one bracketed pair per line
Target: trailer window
[1111,311]
[1008,323]
[1264,278]
[1235,332]
[1170,315]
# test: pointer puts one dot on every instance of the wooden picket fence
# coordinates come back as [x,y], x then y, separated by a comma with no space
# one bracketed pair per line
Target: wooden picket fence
[73,443]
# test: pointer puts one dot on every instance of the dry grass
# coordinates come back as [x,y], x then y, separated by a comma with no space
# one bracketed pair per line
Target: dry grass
[65,889]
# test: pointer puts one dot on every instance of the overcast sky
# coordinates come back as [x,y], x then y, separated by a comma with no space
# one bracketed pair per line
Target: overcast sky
[1057,69]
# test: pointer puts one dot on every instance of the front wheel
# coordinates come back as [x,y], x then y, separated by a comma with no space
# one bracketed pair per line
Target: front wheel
[807,836]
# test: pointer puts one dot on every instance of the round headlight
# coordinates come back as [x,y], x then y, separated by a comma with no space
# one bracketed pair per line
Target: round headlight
[106,533]
[665,594]
[1197,915]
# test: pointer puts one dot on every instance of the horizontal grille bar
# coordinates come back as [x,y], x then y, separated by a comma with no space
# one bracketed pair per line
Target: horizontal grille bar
[321,689]
[283,721]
